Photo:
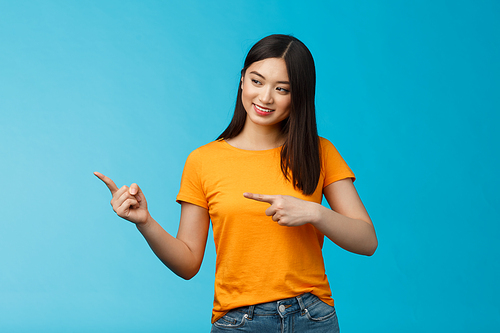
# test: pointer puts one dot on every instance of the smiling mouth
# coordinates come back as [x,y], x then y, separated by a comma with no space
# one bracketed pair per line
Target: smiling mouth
[263,109]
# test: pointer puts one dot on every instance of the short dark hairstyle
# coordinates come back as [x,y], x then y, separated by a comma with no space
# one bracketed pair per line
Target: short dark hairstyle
[300,155]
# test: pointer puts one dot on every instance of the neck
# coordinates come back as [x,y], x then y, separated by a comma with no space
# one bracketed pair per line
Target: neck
[258,137]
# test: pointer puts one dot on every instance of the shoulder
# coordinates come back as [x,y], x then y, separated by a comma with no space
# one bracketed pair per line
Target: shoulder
[332,163]
[323,141]
[208,149]
[210,153]
[326,146]
[329,154]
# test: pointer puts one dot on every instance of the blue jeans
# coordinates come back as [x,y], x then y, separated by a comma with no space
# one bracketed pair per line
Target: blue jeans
[304,313]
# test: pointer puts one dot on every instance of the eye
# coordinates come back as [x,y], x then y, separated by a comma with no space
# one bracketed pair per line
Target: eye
[256,81]
[283,90]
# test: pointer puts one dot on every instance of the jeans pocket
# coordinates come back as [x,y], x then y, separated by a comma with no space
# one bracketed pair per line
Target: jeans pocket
[319,311]
[232,319]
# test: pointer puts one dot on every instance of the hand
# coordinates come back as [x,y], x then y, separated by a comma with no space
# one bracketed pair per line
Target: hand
[287,210]
[128,202]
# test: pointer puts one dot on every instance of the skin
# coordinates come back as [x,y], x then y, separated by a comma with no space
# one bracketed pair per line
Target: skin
[263,85]
[182,254]
[347,223]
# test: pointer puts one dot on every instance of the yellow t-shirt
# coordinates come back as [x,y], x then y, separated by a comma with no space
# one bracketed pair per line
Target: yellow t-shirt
[258,260]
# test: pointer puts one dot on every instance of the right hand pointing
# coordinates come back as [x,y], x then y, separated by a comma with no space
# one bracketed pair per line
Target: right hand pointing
[128,202]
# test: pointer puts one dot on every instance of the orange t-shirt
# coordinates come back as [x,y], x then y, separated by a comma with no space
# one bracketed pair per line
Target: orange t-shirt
[258,260]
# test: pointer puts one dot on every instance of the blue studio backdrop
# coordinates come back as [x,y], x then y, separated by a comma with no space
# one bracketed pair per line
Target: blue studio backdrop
[407,91]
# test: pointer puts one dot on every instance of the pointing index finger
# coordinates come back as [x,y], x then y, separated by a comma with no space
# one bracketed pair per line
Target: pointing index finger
[260,197]
[109,183]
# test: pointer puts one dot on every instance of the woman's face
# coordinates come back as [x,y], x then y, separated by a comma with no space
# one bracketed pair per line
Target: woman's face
[266,92]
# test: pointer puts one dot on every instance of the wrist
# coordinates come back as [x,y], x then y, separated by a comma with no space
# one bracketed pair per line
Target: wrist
[315,213]
[144,225]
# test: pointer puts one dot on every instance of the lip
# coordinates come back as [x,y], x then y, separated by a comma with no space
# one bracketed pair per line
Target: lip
[262,113]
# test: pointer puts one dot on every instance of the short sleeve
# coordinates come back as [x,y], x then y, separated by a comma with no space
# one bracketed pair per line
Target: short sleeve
[191,189]
[334,166]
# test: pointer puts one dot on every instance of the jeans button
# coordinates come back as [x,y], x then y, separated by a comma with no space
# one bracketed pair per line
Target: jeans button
[282,308]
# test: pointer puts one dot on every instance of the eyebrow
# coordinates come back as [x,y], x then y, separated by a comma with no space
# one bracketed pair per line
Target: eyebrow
[260,75]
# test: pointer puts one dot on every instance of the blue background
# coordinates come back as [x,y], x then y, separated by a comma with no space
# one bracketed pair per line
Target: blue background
[407,91]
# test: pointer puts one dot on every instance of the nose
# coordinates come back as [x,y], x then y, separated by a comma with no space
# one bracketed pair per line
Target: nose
[266,96]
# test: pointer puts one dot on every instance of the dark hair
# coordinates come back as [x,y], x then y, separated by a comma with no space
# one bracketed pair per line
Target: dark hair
[300,157]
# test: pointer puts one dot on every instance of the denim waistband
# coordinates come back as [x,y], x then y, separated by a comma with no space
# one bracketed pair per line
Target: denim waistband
[281,307]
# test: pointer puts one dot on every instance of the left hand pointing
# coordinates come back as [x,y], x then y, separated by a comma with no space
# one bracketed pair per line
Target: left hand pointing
[287,210]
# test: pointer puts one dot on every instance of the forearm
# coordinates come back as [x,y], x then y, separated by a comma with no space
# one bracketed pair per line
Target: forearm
[353,235]
[173,252]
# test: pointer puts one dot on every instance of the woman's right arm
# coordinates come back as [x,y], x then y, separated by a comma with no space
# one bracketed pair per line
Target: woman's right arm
[182,254]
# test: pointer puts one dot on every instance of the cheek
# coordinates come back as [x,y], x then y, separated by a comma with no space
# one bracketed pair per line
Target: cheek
[286,104]
[246,95]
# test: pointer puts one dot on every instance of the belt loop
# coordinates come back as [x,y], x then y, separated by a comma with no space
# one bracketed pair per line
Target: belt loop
[250,311]
[301,303]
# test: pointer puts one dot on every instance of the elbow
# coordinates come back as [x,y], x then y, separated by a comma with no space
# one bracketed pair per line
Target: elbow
[370,250]
[188,274]
[371,244]
[183,271]
[187,277]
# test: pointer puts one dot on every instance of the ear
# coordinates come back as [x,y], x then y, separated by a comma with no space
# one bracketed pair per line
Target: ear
[242,79]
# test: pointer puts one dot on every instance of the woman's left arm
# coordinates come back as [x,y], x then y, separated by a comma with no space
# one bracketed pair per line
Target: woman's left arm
[347,224]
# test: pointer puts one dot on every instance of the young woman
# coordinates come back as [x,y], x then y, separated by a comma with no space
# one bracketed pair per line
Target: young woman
[261,184]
